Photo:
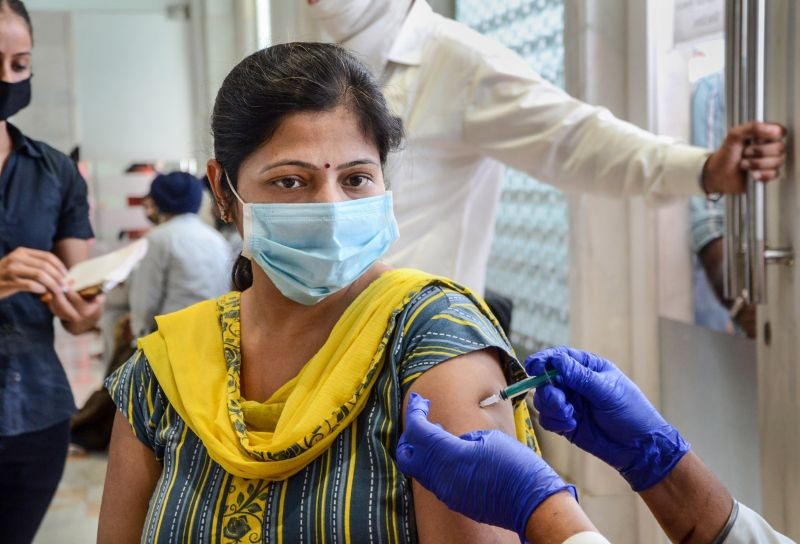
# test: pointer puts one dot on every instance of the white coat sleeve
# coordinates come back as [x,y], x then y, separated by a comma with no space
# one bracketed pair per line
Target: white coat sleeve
[147,286]
[750,528]
[519,119]
[587,537]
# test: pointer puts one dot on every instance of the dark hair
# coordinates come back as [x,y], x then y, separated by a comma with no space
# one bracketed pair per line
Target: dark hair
[135,167]
[17,7]
[273,83]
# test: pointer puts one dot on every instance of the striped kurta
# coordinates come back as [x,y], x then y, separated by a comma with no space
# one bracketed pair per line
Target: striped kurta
[353,492]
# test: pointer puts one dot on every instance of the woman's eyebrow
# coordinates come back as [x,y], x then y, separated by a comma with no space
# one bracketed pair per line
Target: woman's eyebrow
[356,162]
[309,166]
[301,164]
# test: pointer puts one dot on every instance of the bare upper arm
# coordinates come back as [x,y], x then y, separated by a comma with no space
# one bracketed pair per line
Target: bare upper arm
[454,388]
[71,251]
[131,477]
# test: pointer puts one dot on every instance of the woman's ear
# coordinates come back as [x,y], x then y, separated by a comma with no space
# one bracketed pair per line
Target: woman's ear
[216,178]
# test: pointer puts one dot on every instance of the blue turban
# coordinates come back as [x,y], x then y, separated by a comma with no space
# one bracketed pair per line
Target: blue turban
[176,193]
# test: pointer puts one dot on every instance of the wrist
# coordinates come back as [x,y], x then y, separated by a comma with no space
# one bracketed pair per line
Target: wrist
[690,504]
[531,504]
[655,457]
[706,182]
[79,327]
[557,518]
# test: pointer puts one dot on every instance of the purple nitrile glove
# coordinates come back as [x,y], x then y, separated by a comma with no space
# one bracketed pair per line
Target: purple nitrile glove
[599,409]
[487,476]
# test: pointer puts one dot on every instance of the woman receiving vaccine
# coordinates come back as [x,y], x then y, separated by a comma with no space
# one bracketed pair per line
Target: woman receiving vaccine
[272,413]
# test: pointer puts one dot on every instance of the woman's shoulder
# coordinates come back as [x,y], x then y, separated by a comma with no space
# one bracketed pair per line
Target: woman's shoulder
[435,298]
[445,296]
[135,374]
[449,312]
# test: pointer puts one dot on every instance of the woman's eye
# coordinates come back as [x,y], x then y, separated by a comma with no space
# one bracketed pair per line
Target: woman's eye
[19,68]
[358,181]
[287,183]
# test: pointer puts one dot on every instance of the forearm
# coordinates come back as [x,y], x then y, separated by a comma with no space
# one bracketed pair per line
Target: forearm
[690,504]
[566,154]
[555,520]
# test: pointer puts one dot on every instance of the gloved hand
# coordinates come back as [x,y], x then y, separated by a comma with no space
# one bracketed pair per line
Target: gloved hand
[594,405]
[485,475]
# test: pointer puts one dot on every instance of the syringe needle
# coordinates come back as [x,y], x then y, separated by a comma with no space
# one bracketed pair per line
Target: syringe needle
[488,401]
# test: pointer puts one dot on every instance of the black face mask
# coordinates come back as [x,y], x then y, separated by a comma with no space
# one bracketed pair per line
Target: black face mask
[14,97]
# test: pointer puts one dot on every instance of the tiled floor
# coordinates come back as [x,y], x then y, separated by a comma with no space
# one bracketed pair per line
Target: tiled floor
[72,517]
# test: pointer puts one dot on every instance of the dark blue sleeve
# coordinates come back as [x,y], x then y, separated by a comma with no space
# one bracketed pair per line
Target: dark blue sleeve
[441,324]
[73,218]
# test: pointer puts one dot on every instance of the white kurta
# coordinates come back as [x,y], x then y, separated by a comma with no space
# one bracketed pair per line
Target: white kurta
[587,537]
[187,262]
[750,528]
[470,105]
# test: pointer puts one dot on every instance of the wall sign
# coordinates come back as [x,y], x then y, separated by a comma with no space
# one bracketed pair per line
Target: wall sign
[698,20]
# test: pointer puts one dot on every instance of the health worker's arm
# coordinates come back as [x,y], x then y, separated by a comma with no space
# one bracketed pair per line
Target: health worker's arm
[454,388]
[517,118]
[131,477]
[599,409]
[690,503]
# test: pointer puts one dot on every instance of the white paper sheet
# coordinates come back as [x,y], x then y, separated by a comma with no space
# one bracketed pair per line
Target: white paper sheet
[109,270]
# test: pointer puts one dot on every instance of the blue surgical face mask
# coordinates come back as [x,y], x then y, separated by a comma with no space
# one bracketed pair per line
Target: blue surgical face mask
[311,251]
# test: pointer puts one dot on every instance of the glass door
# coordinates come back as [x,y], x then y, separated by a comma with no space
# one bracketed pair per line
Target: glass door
[704,352]
[529,257]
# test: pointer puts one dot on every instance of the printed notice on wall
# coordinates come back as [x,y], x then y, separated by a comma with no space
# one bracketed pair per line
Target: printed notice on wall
[698,20]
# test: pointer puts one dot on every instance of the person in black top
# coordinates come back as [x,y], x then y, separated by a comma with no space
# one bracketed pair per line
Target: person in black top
[44,230]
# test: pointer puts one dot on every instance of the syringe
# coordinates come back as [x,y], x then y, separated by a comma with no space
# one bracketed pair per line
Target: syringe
[519,388]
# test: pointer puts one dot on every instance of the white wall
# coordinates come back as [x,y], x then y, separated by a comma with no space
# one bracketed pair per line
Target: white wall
[51,115]
[114,78]
[133,79]
[133,82]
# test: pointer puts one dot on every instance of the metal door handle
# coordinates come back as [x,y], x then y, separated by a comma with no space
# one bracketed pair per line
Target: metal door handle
[734,218]
[746,252]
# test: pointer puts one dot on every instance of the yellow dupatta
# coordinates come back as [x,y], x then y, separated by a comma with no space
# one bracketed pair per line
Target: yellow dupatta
[278,438]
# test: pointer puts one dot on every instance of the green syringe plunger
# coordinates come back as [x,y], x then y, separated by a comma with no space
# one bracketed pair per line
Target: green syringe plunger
[519,388]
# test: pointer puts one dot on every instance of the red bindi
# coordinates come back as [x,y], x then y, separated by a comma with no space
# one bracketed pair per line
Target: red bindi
[327,165]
